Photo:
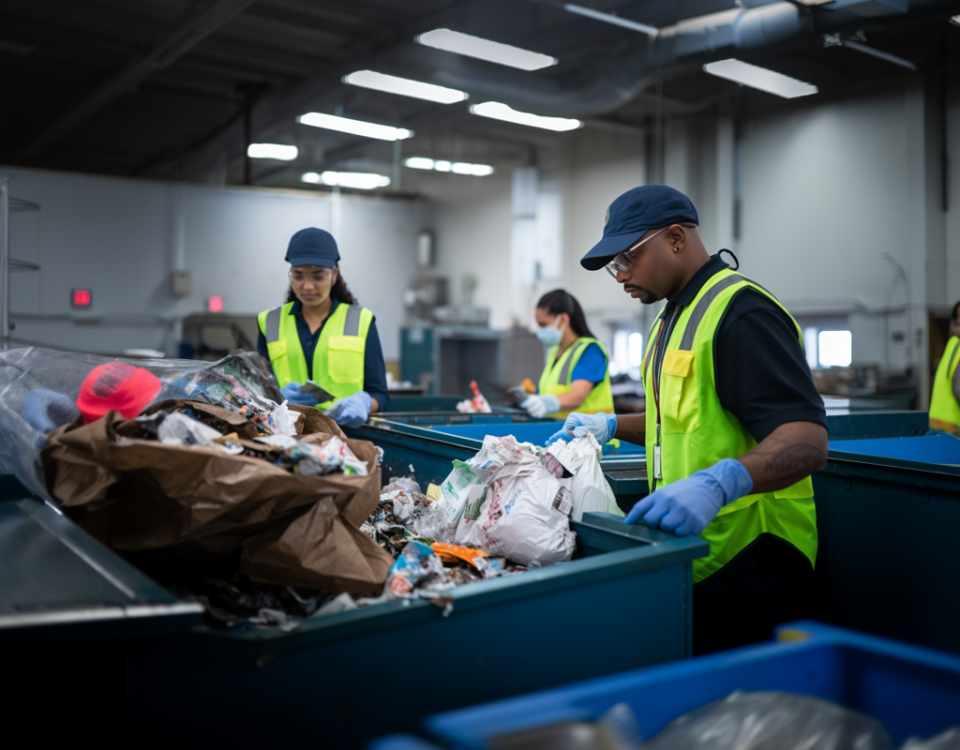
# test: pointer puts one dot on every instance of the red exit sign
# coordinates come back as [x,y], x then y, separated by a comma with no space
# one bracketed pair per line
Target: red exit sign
[81,297]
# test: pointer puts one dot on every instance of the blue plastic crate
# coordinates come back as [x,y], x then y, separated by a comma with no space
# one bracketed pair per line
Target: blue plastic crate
[911,691]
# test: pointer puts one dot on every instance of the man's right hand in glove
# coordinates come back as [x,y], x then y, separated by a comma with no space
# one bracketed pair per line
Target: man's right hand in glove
[292,393]
[602,426]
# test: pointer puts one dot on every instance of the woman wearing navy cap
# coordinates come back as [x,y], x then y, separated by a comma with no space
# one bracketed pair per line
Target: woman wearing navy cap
[322,335]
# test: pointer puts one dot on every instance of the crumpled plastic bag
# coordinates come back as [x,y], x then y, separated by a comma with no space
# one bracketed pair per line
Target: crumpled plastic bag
[588,486]
[520,511]
[768,720]
[407,484]
[948,740]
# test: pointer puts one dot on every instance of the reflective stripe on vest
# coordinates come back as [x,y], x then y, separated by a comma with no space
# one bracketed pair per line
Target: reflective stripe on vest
[697,432]
[944,409]
[338,359]
[556,379]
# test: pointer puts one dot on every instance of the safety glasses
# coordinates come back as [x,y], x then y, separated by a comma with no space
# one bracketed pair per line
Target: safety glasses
[624,261]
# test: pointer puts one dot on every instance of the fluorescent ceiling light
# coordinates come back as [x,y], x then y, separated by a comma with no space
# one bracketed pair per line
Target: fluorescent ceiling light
[404,86]
[457,167]
[355,127]
[499,111]
[357,180]
[419,162]
[271,151]
[484,49]
[760,78]
[955,20]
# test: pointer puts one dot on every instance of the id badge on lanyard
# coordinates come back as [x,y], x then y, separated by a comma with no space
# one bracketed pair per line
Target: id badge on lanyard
[657,471]
[657,464]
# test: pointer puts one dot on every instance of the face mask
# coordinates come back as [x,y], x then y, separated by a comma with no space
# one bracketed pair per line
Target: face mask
[551,335]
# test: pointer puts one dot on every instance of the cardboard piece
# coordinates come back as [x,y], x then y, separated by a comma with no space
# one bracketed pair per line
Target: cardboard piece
[200,506]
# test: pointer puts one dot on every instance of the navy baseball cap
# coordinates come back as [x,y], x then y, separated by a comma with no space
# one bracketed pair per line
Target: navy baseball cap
[312,247]
[632,214]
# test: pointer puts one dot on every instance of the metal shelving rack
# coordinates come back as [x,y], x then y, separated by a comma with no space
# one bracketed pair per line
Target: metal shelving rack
[9,205]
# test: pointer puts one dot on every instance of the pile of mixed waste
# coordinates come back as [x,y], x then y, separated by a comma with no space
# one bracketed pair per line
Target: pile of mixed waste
[272,439]
[506,510]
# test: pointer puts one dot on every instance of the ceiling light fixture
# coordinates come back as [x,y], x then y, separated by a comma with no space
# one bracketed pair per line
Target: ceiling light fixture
[499,111]
[484,49]
[760,78]
[357,180]
[369,79]
[272,151]
[955,20]
[354,127]
[440,165]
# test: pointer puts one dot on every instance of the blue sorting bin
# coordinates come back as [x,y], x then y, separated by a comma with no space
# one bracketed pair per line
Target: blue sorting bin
[424,445]
[537,433]
[420,404]
[911,691]
[888,511]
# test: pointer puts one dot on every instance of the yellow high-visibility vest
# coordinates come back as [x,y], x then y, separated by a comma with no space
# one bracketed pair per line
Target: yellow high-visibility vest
[944,409]
[558,377]
[697,432]
[339,354]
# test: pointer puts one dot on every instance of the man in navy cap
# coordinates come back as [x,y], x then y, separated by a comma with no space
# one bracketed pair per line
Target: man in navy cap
[733,428]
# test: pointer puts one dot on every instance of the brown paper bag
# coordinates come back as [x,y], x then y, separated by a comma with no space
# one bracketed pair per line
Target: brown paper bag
[199,505]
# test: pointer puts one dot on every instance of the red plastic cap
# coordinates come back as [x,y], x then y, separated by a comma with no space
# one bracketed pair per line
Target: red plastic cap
[116,386]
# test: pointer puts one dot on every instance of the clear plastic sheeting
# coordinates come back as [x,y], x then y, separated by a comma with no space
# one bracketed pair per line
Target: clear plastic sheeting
[949,740]
[39,389]
[766,720]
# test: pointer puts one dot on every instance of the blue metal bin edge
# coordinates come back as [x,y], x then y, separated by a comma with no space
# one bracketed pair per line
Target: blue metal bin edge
[705,679]
[648,549]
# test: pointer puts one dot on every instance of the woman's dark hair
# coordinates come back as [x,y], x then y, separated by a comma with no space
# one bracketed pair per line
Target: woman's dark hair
[561,301]
[340,292]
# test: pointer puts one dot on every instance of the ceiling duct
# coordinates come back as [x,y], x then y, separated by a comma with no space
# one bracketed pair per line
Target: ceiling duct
[676,50]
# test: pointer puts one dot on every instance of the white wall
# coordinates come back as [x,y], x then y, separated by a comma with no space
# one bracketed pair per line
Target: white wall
[472,225]
[120,238]
[598,165]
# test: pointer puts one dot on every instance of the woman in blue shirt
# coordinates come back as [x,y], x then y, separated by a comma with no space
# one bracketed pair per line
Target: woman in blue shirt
[321,334]
[575,377]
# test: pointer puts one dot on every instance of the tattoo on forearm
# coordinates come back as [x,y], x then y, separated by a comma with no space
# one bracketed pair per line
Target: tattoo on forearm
[793,461]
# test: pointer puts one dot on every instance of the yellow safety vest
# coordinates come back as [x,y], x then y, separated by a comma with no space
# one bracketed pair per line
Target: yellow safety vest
[944,409]
[337,359]
[558,377]
[697,432]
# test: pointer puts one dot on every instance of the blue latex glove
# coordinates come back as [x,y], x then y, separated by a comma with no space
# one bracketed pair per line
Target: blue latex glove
[688,506]
[540,406]
[602,426]
[351,411]
[292,394]
[44,409]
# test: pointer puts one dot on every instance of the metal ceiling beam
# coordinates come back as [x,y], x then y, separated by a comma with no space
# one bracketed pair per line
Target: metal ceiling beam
[180,41]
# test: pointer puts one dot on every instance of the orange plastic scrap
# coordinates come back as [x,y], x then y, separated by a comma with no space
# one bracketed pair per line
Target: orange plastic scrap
[451,553]
[528,386]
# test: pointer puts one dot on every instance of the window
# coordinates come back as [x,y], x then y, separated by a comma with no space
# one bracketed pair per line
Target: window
[627,353]
[827,340]
[834,348]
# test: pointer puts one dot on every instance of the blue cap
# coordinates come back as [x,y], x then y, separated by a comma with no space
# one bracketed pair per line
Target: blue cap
[632,214]
[312,247]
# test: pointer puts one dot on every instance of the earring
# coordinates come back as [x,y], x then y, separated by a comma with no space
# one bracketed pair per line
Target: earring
[676,249]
